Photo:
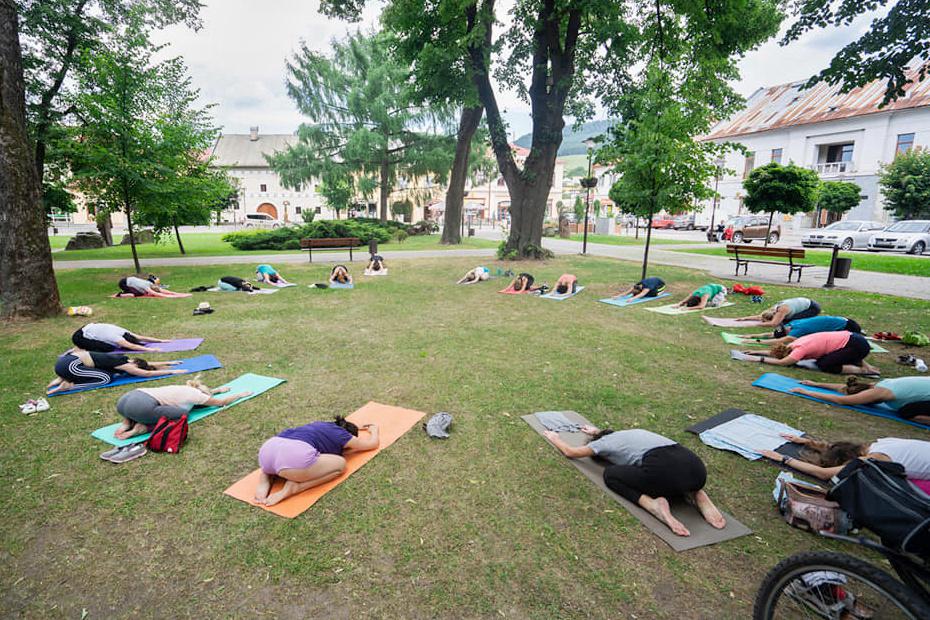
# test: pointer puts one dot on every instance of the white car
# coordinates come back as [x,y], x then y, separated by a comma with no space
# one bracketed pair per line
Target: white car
[911,236]
[261,220]
[849,235]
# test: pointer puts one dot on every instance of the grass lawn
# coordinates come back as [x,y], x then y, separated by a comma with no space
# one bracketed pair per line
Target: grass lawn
[629,240]
[865,261]
[211,244]
[491,523]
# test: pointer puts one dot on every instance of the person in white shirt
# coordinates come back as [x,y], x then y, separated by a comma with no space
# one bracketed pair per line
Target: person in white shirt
[106,337]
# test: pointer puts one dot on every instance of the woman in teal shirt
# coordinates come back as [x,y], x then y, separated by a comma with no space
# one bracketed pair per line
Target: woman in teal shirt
[708,295]
[909,397]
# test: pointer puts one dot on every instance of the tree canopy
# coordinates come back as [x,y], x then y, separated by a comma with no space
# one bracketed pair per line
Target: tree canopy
[905,183]
[777,188]
[838,196]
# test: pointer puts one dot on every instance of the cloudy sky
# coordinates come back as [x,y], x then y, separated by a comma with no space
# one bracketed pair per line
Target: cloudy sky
[237,59]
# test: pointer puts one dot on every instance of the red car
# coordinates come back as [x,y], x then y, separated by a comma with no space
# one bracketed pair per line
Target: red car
[663,222]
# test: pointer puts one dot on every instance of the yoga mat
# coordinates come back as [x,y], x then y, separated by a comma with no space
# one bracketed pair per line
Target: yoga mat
[172,346]
[624,301]
[194,364]
[675,309]
[392,423]
[738,340]
[257,384]
[788,449]
[128,296]
[510,291]
[780,383]
[261,291]
[338,285]
[731,322]
[701,532]
[383,272]
[558,297]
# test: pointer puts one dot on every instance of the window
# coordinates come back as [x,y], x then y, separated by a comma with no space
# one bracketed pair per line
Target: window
[839,152]
[776,156]
[319,210]
[750,164]
[905,143]
[298,210]
[263,188]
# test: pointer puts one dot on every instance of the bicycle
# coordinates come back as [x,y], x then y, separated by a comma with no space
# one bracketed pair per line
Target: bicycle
[838,586]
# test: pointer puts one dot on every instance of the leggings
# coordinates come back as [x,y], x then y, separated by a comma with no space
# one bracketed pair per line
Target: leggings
[812,310]
[70,368]
[669,471]
[911,410]
[98,346]
[852,326]
[144,409]
[853,353]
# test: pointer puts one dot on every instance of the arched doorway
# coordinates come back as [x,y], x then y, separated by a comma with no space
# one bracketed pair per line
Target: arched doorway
[269,209]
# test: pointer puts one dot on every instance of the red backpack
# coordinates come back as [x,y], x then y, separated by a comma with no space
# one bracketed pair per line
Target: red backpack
[168,435]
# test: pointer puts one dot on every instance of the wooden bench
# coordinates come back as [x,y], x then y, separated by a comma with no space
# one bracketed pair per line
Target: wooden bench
[740,251]
[345,243]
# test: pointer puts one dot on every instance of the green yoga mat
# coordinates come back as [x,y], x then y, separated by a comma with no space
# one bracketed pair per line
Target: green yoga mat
[257,384]
[738,340]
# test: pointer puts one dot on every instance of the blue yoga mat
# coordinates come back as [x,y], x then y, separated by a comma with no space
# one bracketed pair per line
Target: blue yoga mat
[340,285]
[780,383]
[194,364]
[557,297]
[625,300]
[257,384]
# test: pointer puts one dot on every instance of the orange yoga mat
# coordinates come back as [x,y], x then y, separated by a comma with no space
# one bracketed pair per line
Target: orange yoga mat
[392,423]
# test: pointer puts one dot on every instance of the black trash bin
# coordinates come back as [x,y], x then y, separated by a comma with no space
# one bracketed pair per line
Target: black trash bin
[471,232]
[841,268]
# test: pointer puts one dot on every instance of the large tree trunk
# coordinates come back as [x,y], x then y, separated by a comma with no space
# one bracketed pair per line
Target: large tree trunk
[27,280]
[385,190]
[105,227]
[455,195]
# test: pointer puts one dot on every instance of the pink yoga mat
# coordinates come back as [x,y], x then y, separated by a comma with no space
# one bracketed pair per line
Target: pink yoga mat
[730,322]
[128,296]
[510,291]
[172,346]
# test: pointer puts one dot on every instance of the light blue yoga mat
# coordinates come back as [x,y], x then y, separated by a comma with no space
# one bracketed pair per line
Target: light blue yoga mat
[557,297]
[625,300]
[257,384]
[340,285]
[780,383]
[194,364]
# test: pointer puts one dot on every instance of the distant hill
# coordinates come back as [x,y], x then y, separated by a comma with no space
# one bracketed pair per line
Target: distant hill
[573,141]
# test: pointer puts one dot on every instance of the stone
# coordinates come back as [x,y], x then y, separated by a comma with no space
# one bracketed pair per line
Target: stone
[143,235]
[85,241]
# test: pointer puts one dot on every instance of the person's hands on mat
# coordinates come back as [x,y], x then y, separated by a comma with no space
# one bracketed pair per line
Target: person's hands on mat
[587,429]
[773,456]
[551,435]
[795,438]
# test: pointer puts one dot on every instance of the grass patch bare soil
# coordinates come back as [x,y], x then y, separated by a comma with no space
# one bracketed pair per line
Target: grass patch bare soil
[490,523]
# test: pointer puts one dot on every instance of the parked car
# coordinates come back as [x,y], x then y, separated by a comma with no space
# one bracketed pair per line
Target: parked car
[746,228]
[663,222]
[261,220]
[683,222]
[849,235]
[911,236]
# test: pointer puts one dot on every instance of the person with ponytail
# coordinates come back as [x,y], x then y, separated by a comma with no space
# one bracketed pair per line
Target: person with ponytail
[150,286]
[909,397]
[308,456]
[77,367]
[834,352]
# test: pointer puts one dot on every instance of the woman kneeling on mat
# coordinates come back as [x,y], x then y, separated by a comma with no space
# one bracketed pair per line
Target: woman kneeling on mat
[78,367]
[566,284]
[824,460]
[647,287]
[340,275]
[909,397]
[478,274]
[833,352]
[787,310]
[707,296]
[646,469]
[148,287]
[143,407]
[376,266]
[234,283]
[792,330]
[105,337]
[523,283]
[269,275]
[308,456]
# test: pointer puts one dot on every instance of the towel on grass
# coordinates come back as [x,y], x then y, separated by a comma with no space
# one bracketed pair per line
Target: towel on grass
[747,435]
[557,421]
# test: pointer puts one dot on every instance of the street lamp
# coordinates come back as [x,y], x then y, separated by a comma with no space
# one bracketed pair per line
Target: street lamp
[587,183]
[710,231]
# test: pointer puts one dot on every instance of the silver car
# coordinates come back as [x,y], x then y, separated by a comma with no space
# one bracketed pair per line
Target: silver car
[849,235]
[911,236]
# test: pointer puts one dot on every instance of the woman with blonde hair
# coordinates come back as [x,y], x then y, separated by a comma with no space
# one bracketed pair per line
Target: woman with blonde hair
[143,407]
[833,352]
[791,309]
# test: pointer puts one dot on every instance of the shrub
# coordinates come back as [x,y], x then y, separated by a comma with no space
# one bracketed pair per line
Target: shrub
[308,215]
[400,235]
[288,238]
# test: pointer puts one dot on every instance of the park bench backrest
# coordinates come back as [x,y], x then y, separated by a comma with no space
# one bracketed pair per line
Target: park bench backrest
[342,242]
[777,252]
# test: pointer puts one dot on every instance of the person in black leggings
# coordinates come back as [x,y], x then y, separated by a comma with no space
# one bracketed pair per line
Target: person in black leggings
[646,469]
[235,283]
[78,367]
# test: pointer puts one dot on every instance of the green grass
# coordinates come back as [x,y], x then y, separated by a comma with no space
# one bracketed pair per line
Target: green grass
[631,240]
[865,261]
[211,244]
[490,523]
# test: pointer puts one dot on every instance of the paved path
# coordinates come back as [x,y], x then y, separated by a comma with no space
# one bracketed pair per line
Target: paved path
[719,266]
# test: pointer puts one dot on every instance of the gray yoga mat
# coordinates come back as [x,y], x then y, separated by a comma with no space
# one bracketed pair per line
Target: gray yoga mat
[702,533]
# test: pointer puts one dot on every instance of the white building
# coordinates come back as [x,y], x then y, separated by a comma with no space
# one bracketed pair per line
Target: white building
[844,137]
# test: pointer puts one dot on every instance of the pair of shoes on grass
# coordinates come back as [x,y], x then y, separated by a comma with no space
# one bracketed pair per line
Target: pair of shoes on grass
[31,407]
[886,336]
[125,453]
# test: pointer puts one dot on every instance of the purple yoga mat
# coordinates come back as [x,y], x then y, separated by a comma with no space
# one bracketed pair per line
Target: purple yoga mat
[172,346]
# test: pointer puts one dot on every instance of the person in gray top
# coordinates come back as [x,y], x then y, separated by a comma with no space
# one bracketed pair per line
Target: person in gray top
[646,469]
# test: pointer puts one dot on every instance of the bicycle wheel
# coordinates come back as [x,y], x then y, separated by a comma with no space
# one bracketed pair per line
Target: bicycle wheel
[834,586]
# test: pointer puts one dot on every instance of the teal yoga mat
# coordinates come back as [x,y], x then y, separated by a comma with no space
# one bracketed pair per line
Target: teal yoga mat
[555,296]
[257,384]
[780,383]
[191,365]
[622,302]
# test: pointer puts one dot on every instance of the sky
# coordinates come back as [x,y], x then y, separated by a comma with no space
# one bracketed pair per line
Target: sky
[237,59]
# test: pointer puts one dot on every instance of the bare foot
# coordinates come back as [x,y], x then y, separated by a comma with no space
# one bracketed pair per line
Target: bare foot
[274,498]
[124,428]
[138,429]
[264,485]
[659,508]
[709,511]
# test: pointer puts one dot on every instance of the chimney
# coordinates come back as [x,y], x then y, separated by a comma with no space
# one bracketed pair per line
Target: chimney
[253,133]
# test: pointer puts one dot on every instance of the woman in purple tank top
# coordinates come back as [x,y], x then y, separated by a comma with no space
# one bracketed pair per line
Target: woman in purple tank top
[308,456]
